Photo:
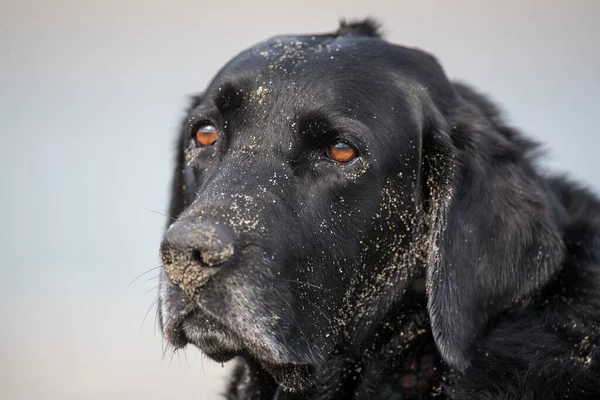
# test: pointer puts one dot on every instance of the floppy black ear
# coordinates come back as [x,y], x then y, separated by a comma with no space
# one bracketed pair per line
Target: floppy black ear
[496,241]
[180,189]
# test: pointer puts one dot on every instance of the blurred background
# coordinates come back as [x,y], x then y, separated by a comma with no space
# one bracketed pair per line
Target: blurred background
[91,93]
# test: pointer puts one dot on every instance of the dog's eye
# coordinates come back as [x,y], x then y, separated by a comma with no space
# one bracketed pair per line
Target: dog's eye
[342,152]
[206,135]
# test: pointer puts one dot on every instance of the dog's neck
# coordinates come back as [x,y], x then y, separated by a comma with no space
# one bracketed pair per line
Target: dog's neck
[404,365]
[401,361]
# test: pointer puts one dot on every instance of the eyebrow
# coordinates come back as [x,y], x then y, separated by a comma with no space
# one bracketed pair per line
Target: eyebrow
[318,126]
[311,121]
[229,96]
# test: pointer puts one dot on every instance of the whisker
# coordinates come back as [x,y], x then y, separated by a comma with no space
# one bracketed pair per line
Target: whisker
[164,350]
[156,315]
[152,289]
[154,303]
[147,272]
[185,357]
[161,213]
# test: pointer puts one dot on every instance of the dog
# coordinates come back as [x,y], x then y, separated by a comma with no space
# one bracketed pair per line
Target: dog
[347,223]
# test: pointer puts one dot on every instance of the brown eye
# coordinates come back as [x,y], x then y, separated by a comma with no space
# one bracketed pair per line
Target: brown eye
[342,152]
[206,135]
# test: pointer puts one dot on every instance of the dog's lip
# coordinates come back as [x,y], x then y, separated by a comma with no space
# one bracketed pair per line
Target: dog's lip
[211,336]
[197,327]
[194,326]
[173,329]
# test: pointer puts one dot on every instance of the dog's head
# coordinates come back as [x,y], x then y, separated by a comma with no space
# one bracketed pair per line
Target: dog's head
[317,179]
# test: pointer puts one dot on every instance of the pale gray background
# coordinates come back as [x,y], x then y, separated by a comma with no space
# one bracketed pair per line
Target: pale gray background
[90,95]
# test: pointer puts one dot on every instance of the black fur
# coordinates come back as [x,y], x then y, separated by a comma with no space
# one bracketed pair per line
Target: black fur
[441,262]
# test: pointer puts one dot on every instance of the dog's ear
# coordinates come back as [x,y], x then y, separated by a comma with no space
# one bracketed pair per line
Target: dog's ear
[182,187]
[495,240]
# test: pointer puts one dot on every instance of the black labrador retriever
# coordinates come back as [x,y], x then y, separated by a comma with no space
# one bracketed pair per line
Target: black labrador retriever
[349,224]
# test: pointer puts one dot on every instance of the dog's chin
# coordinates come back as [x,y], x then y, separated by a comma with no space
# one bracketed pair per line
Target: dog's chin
[218,344]
[221,344]
[204,332]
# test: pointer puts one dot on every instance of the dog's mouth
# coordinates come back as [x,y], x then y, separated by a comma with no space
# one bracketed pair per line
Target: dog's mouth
[217,341]
[205,332]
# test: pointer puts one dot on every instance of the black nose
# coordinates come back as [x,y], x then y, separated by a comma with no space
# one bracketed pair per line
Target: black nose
[192,251]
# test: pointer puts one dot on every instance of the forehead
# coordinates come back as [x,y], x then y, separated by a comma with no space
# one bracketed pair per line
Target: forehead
[330,68]
[332,71]
[293,55]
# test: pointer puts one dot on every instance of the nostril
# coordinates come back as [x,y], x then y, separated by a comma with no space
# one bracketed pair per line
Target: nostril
[196,256]
[212,257]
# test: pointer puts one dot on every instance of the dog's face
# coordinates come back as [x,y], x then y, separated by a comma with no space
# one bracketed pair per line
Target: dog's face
[295,176]
[308,180]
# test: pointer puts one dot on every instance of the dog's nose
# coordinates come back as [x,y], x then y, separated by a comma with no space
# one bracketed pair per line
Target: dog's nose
[193,251]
